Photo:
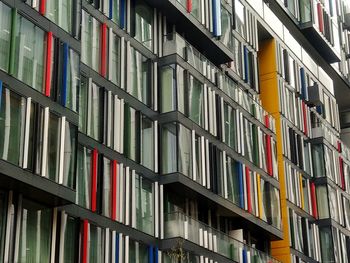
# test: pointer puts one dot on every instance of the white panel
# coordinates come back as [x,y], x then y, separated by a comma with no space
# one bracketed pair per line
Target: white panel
[155,85]
[161,200]
[116,127]
[110,45]
[203,163]
[186,229]
[194,172]
[128,59]
[45,142]
[127,249]
[122,62]
[107,245]
[114,255]
[207,163]
[61,149]
[127,196]
[109,118]
[223,121]
[156,209]
[205,238]
[225,173]
[201,239]
[122,126]
[121,252]
[155,31]
[156,146]
[133,199]
[26,133]
[206,122]
[215,243]
[62,229]
[18,226]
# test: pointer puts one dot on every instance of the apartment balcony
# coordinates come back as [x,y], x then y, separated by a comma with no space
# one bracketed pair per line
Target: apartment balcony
[197,32]
[179,225]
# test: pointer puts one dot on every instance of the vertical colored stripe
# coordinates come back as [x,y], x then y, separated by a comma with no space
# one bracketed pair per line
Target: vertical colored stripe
[114,189]
[122,13]
[42,7]
[320,17]
[301,191]
[303,83]
[246,67]
[244,255]
[156,255]
[85,241]
[94,180]
[304,118]
[13,41]
[189,6]
[103,49]
[339,147]
[216,17]
[341,168]
[241,185]
[260,204]
[64,75]
[49,38]
[117,248]
[150,254]
[267,121]
[110,13]
[249,197]
[313,200]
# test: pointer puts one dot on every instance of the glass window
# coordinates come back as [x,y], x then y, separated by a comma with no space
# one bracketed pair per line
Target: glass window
[322,202]
[140,85]
[198,158]
[73,80]
[90,41]
[197,9]
[333,203]
[248,139]
[305,11]
[347,212]
[238,57]
[53,143]
[96,244]
[29,53]
[230,126]
[69,239]
[147,142]
[275,208]
[83,176]
[264,198]
[318,160]
[329,161]
[131,143]
[95,111]
[168,88]
[185,151]
[83,99]
[169,148]
[116,11]
[143,24]
[239,18]
[69,157]
[3,215]
[195,102]
[34,233]
[114,60]
[5,36]
[226,23]
[107,188]
[326,243]
[12,110]
[144,205]
[138,252]
[232,180]
[61,13]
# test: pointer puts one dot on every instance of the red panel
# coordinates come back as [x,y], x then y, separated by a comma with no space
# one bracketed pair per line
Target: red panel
[85,241]
[94,180]
[103,49]
[269,155]
[320,17]
[305,118]
[189,6]
[249,198]
[49,38]
[341,168]
[42,7]
[114,190]
[339,147]
[313,200]
[267,121]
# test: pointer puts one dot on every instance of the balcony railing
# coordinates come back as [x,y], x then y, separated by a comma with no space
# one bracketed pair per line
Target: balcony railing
[179,225]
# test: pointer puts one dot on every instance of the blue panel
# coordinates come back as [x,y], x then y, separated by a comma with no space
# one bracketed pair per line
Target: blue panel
[64,74]
[241,185]
[110,14]
[319,109]
[0,93]
[150,254]
[244,252]
[117,248]
[156,255]
[303,83]
[217,17]
[246,68]
[122,13]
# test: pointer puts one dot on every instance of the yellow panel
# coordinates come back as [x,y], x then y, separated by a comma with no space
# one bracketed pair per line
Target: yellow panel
[259,195]
[301,191]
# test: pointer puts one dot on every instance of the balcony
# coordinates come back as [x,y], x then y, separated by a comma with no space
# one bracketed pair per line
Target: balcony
[179,225]
[195,31]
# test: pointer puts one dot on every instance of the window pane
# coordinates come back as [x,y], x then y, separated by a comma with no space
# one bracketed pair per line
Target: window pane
[96,244]
[114,70]
[69,235]
[116,10]
[232,180]
[147,143]
[61,13]
[53,142]
[195,101]
[131,144]
[230,126]
[168,88]
[138,252]
[3,214]
[226,36]
[73,80]
[5,36]
[322,202]
[83,176]
[326,243]
[69,155]
[144,205]
[318,160]
[143,24]
[169,154]
[12,112]
[240,18]
[140,74]
[107,188]
[35,233]
[83,97]
[185,151]
[29,53]
[95,111]
[275,208]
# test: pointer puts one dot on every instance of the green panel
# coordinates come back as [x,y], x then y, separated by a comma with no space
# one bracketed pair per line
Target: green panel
[13,41]
[255,145]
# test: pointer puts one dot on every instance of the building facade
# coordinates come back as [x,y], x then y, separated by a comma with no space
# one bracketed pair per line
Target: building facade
[174,131]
